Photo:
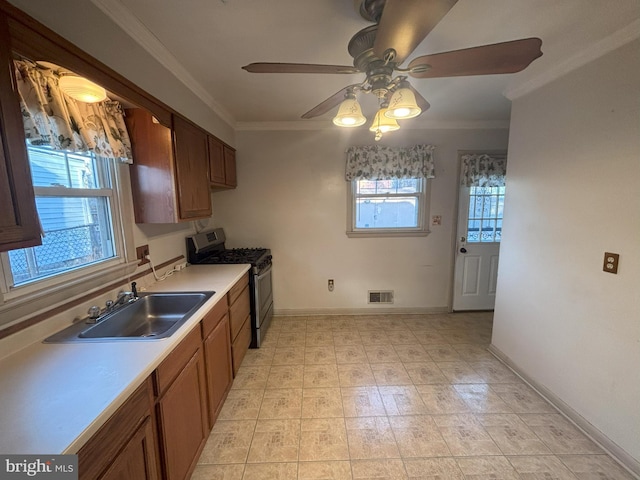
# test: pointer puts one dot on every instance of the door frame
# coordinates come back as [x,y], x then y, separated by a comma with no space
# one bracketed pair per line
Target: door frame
[456,214]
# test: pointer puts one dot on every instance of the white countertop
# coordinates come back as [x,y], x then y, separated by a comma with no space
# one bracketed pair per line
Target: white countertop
[54,397]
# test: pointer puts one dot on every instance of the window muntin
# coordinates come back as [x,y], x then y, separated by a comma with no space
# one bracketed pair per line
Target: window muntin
[388,206]
[485,214]
[74,199]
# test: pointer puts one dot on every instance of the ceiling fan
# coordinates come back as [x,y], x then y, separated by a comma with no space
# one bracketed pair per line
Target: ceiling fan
[379,49]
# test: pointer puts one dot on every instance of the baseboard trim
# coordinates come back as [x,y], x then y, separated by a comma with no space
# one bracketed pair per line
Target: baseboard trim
[617,453]
[296,312]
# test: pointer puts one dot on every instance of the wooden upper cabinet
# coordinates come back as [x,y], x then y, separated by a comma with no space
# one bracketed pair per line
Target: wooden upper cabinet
[19,224]
[222,164]
[169,176]
[192,170]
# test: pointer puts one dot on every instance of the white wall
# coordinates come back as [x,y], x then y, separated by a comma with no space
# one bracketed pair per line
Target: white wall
[292,198]
[573,193]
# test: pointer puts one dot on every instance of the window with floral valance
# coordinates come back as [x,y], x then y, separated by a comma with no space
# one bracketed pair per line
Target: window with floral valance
[375,162]
[482,170]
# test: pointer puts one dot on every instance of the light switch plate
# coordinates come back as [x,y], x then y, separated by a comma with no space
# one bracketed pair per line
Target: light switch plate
[436,220]
[611,261]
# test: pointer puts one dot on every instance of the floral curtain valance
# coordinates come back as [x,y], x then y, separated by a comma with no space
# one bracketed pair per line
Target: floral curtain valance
[483,171]
[53,118]
[384,163]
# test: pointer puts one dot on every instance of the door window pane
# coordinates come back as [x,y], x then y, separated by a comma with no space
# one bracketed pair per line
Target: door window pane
[485,214]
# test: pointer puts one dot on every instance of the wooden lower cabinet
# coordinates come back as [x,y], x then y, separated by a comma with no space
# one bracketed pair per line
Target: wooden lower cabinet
[138,457]
[217,353]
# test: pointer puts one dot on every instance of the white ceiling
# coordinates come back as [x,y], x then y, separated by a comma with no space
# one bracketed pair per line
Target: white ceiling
[206,42]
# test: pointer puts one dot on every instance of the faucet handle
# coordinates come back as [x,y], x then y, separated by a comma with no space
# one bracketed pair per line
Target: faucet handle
[109,304]
[94,312]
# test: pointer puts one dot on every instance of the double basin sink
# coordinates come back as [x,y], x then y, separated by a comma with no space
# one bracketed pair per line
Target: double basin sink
[151,316]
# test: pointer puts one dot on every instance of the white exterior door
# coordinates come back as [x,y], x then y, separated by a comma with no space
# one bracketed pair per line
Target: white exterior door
[477,247]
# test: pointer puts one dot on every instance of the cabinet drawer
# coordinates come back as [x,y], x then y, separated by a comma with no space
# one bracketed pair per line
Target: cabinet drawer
[215,315]
[241,345]
[239,311]
[236,290]
[171,366]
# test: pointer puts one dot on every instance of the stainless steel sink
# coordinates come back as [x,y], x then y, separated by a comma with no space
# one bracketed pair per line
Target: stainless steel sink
[151,316]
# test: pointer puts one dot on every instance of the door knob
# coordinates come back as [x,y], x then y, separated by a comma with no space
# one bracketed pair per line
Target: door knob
[463,250]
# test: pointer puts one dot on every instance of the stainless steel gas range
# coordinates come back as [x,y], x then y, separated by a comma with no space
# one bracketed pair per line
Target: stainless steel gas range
[208,248]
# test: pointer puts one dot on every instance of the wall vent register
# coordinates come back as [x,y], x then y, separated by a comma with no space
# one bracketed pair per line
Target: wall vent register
[380,296]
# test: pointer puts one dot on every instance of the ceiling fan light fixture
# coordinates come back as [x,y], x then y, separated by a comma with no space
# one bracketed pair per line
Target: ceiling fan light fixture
[403,104]
[82,89]
[349,114]
[383,124]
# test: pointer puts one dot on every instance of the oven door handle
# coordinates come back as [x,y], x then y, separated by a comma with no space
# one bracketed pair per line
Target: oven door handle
[263,274]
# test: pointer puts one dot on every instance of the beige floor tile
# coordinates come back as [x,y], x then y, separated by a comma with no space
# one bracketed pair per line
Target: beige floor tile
[470,352]
[251,377]
[373,337]
[559,434]
[356,375]
[287,338]
[321,324]
[412,353]
[481,399]
[285,376]
[595,467]
[512,435]
[381,353]
[465,436]
[392,469]
[259,356]
[459,335]
[346,337]
[323,439]
[362,402]
[316,376]
[492,371]
[327,470]
[281,403]
[218,472]
[459,372]
[228,442]
[390,374]
[425,373]
[241,405]
[487,468]
[319,355]
[350,354]
[401,336]
[544,467]
[319,338]
[275,441]
[443,353]
[401,400]
[270,340]
[271,471]
[392,322]
[429,337]
[294,324]
[367,324]
[288,356]
[433,469]
[441,399]
[322,403]
[418,436]
[343,323]
[522,399]
[371,438]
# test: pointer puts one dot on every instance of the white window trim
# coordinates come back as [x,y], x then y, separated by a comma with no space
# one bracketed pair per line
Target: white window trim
[34,297]
[422,230]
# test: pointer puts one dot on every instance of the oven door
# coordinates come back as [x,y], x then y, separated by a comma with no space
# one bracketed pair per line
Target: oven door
[264,304]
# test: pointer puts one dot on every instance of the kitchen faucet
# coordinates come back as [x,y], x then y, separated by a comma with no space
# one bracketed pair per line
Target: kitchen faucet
[123,298]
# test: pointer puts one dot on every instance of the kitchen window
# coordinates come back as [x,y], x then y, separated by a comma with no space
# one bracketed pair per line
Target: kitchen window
[391,207]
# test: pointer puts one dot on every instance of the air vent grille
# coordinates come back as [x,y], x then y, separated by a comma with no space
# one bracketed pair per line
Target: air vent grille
[380,296]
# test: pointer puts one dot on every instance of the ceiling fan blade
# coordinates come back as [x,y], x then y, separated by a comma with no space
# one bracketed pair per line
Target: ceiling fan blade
[298,68]
[333,101]
[405,23]
[506,57]
[420,100]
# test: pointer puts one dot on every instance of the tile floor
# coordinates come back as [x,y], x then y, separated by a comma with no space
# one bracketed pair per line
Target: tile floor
[390,397]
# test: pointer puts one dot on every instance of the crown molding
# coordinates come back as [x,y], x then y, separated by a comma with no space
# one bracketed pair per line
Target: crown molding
[327,125]
[594,51]
[126,20]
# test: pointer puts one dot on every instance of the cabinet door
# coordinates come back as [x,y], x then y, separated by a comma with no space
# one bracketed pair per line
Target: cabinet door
[230,167]
[183,419]
[19,224]
[137,459]
[216,161]
[192,170]
[217,352]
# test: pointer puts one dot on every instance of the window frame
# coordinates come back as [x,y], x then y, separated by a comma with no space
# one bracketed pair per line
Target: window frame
[421,230]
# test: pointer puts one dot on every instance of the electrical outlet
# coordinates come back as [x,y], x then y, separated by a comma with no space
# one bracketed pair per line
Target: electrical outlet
[330,284]
[611,261]
[141,254]
[436,220]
